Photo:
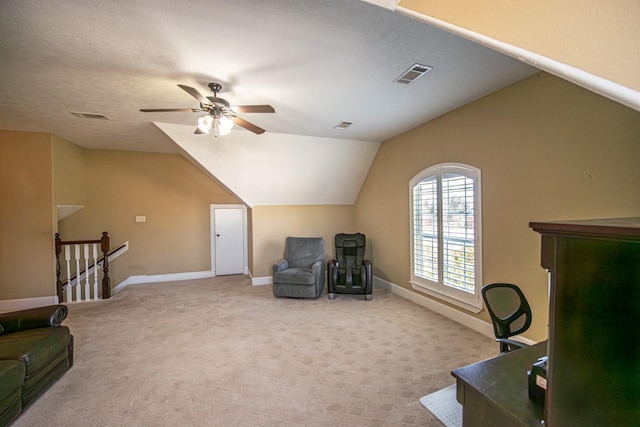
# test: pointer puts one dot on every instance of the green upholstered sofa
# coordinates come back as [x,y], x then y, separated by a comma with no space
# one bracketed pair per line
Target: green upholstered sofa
[35,350]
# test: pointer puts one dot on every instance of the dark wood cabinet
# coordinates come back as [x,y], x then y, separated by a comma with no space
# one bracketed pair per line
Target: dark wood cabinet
[594,321]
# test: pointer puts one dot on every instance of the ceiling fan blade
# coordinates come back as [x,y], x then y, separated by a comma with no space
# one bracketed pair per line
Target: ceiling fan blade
[167,110]
[253,109]
[193,92]
[249,126]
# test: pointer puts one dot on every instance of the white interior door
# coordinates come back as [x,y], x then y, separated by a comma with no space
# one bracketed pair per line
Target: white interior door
[227,240]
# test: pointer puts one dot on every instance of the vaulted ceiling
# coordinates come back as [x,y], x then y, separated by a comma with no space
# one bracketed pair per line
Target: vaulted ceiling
[318,63]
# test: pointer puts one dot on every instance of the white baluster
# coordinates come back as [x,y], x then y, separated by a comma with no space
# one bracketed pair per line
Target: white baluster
[95,271]
[87,276]
[67,257]
[78,287]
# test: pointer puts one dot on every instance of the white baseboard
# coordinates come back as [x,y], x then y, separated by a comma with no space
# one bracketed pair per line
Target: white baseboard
[25,303]
[464,319]
[259,281]
[158,278]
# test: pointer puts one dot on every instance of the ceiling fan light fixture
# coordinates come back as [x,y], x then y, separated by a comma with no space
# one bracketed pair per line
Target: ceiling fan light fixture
[225,123]
[220,122]
[205,123]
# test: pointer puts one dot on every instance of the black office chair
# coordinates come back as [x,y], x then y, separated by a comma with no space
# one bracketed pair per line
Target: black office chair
[510,313]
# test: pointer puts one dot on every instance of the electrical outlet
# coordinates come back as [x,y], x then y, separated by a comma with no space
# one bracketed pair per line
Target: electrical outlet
[141,218]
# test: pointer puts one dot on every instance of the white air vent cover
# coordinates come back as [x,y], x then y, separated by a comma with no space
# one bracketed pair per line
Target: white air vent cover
[413,73]
[342,125]
[89,115]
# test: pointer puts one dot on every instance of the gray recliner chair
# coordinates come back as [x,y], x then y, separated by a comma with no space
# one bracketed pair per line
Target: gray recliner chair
[301,273]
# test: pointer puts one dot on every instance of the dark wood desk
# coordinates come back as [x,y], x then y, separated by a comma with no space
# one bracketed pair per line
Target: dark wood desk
[593,373]
[495,392]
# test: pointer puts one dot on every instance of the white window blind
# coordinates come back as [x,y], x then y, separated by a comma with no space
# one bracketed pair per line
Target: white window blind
[458,233]
[445,233]
[425,241]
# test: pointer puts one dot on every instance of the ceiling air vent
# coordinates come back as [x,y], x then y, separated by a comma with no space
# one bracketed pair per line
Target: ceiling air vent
[89,115]
[342,125]
[413,73]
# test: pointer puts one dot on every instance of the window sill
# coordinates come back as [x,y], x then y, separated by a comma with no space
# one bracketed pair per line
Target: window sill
[447,298]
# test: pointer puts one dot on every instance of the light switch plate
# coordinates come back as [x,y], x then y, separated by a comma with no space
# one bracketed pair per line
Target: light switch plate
[141,218]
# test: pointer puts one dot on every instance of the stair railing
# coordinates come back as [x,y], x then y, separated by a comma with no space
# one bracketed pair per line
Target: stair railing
[73,250]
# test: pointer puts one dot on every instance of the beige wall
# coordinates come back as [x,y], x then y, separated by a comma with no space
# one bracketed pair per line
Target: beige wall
[600,37]
[273,224]
[547,150]
[69,175]
[26,216]
[174,196]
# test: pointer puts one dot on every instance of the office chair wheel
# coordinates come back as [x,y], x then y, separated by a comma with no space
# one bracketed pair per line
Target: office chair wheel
[331,295]
[368,297]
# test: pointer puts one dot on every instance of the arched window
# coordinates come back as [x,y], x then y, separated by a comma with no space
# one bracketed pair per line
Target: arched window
[446,258]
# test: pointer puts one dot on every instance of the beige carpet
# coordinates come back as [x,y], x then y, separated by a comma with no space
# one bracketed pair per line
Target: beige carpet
[219,352]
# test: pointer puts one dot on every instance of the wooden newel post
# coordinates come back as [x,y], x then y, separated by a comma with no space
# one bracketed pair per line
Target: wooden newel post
[106,281]
[58,281]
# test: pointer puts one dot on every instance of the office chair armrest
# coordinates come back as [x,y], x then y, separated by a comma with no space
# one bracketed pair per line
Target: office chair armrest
[512,344]
[281,265]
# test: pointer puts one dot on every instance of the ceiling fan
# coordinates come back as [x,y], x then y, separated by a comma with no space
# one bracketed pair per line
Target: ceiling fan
[220,114]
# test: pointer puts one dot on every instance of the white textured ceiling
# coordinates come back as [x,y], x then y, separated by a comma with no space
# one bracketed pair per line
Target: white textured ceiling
[316,62]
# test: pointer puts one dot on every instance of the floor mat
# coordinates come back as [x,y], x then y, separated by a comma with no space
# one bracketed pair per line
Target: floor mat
[444,406]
